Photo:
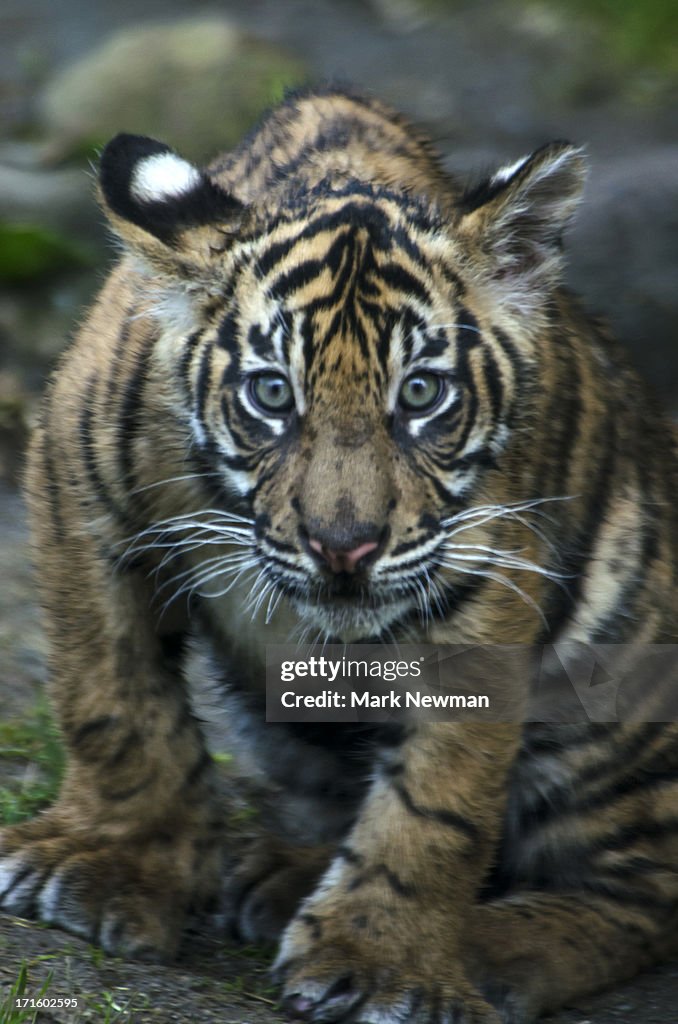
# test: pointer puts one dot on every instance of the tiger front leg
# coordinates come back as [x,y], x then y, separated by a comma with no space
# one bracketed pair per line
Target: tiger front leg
[382,937]
[133,841]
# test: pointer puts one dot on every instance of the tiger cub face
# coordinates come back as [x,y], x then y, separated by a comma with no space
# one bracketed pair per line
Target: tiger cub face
[343,361]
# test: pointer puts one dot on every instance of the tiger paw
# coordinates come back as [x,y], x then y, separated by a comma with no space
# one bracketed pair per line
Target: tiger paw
[329,976]
[267,885]
[373,996]
[129,897]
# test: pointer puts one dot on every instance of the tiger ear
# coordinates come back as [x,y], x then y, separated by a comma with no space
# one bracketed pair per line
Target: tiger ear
[163,208]
[514,222]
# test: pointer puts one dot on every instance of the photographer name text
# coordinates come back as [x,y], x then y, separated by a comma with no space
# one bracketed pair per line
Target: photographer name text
[386,701]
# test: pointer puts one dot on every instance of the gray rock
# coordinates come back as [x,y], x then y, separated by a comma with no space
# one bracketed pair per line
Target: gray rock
[196,83]
[624,258]
[32,192]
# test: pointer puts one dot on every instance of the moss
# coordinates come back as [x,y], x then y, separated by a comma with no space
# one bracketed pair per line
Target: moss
[28,251]
[633,33]
[638,33]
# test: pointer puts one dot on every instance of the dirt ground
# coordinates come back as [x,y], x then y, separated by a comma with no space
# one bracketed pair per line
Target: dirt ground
[216,983]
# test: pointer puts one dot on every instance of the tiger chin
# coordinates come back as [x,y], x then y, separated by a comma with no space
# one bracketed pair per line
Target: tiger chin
[329,392]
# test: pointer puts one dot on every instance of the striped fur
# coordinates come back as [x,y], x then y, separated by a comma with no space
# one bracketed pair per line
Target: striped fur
[328,393]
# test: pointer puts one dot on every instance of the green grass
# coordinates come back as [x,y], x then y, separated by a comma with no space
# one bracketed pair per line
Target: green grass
[10,1012]
[34,740]
[639,32]
[632,33]
[110,1006]
[113,1005]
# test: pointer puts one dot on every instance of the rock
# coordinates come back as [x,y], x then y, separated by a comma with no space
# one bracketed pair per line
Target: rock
[623,255]
[60,199]
[401,15]
[198,84]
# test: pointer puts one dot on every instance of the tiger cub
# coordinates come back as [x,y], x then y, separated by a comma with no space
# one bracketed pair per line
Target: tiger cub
[328,390]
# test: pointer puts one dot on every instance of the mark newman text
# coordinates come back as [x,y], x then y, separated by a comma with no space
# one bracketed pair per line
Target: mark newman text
[392,699]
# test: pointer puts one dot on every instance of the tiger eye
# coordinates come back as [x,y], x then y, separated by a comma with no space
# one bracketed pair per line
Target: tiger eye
[271,393]
[421,392]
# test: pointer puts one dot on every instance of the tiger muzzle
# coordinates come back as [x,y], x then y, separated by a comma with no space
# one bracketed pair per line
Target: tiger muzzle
[344,505]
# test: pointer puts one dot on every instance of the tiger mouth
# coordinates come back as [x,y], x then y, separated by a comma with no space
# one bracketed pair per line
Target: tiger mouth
[350,621]
[358,604]
[345,588]
[351,610]
[346,591]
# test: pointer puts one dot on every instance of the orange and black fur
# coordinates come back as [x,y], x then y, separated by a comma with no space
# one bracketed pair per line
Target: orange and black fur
[329,392]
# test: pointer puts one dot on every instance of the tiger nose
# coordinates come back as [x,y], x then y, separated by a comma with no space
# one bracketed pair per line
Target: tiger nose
[343,561]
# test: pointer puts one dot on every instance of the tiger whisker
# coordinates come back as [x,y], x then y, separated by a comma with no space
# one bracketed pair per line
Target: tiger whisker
[229,529]
[266,590]
[221,563]
[190,542]
[193,544]
[159,537]
[192,579]
[273,602]
[497,511]
[423,605]
[254,593]
[174,549]
[215,513]
[509,559]
[174,480]
[481,518]
[434,594]
[191,587]
[198,588]
[536,530]
[504,581]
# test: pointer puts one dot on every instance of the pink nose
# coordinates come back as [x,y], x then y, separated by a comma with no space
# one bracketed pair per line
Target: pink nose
[343,561]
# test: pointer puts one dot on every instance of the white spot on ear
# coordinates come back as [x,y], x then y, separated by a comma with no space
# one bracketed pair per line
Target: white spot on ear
[163,176]
[506,173]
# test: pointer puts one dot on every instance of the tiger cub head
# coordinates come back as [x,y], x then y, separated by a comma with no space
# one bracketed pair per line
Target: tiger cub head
[353,366]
